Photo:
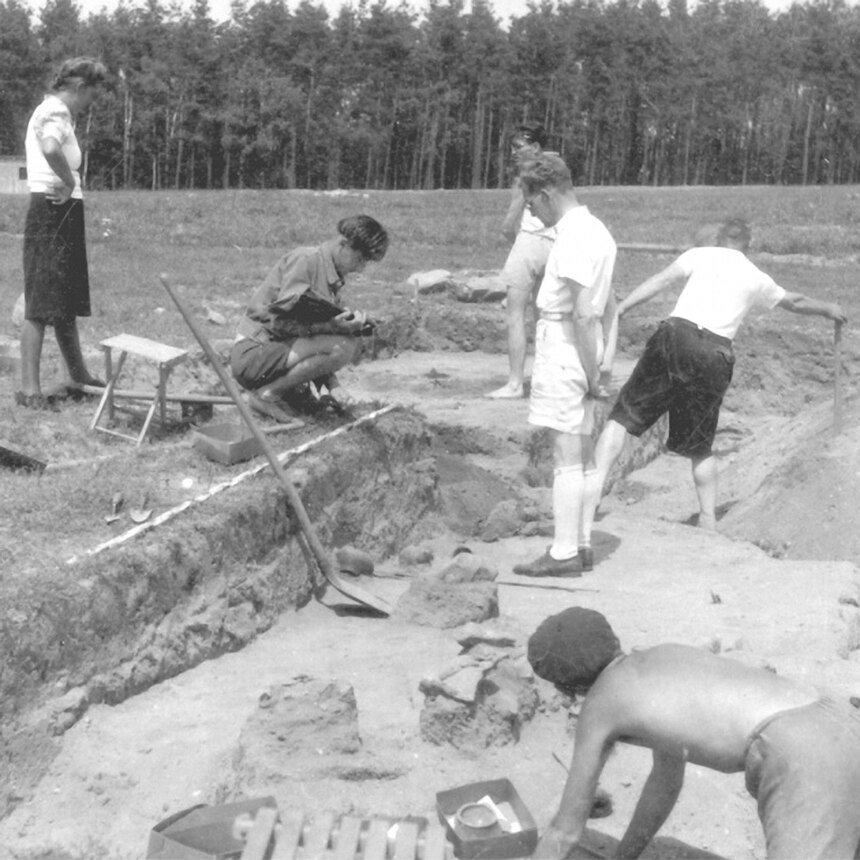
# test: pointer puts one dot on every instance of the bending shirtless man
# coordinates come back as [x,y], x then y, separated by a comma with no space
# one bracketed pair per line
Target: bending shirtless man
[800,752]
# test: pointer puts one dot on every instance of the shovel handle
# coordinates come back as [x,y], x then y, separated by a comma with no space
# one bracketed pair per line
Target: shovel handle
[320,555]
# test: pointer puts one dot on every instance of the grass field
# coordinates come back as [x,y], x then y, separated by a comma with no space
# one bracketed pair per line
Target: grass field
[218,245]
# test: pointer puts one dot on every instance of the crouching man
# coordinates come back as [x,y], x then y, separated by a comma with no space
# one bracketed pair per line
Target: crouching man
[279,348]
[800,752]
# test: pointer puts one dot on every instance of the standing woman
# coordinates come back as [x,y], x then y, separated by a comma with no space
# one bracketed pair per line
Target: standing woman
[56,279]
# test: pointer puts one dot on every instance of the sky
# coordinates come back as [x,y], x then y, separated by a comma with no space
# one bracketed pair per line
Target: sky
[221,8]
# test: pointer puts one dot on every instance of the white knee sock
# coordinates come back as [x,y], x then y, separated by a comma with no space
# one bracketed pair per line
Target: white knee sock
[567,491]
[590,502]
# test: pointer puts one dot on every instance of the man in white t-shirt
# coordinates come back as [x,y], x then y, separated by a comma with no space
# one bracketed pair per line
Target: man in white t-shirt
[687,364]
[574,302]
[525,264]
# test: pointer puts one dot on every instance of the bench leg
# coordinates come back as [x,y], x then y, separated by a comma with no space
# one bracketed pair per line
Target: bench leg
[107,396]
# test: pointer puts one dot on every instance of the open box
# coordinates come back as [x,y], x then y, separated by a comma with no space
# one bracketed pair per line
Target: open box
[202,832]
[228,443]
[520,837]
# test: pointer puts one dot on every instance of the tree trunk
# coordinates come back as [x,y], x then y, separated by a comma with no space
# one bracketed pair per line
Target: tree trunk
[806,137]
[477,141]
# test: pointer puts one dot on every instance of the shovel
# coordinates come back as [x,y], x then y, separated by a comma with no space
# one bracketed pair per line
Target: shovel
[322,558]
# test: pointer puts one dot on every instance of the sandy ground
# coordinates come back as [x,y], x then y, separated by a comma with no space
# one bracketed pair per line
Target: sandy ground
[124,768]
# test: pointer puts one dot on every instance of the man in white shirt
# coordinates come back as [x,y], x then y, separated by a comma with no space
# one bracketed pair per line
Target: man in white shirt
[687,364]
[574,303]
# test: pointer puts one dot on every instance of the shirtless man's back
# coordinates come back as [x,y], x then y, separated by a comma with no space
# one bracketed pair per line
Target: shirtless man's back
[801,753]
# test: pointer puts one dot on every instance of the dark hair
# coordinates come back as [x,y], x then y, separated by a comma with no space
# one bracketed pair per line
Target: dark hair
[85,70]
[533,132]
[570,649]
[734,233]
[364,234]
[544,170]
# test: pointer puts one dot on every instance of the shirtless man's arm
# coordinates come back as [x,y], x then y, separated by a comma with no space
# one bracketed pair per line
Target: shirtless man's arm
[658,798]
[593,745]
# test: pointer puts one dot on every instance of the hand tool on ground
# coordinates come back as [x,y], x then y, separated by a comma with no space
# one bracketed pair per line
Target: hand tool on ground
[322,558]
[837,378]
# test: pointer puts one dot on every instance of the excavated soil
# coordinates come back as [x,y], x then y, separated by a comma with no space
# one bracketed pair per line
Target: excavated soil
[133,676]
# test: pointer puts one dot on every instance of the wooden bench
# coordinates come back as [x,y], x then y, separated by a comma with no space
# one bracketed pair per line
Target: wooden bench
[164,356]
[345,837]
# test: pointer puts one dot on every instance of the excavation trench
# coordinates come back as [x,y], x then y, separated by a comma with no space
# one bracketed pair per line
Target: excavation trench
[213,578]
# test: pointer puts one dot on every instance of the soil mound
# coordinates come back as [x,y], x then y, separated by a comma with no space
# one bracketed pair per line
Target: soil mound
[805,507]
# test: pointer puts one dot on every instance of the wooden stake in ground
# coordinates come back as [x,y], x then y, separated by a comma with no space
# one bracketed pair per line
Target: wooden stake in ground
[837,378]
[322,558]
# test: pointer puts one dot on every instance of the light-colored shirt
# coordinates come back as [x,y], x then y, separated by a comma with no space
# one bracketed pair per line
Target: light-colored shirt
[532,224]
[51,119]
[584,251]
[722,287]
[310,268]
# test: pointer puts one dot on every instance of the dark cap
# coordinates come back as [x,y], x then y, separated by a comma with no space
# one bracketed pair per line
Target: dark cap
[572,648]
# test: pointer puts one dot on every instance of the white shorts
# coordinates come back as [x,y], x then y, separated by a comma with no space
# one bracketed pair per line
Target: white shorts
[526,262]
[559,384]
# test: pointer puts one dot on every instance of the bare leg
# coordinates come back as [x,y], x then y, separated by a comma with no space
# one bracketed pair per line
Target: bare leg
[32,338]
[69,342]
[609,446]
[705,478]
[331,354]
[518,301]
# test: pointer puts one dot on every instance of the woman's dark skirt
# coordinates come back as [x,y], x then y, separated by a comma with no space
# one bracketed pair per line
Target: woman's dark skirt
[56,278]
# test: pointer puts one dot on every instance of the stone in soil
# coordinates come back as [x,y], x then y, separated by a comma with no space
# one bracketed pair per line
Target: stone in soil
[482,703]
[434,603]
[467,567]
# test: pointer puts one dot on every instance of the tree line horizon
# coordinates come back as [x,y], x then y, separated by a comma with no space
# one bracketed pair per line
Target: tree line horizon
[379,96]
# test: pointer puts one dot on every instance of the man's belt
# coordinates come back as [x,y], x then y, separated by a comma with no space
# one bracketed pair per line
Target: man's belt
[554,316]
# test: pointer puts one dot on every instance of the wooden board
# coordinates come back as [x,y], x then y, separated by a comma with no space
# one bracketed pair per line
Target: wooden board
[329,837]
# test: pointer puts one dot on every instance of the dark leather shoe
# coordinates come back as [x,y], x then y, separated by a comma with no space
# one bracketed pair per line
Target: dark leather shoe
[546,565]
[586,558]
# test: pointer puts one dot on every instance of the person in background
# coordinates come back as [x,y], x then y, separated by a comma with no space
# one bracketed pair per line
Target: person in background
[799,750]
[526,261]
[687,364]
[278,352]
[56,276]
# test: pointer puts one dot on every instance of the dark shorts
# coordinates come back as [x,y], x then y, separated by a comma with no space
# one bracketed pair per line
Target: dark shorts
[56,276]
[684,371]
[803,768]
[257,364]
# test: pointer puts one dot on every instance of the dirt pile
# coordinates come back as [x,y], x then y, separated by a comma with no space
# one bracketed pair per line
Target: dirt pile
[300,730]
[806,505]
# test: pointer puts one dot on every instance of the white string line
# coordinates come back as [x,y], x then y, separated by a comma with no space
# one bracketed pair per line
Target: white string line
[217,488]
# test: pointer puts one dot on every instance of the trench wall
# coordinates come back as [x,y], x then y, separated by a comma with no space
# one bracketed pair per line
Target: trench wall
[210,581]
[203,584]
